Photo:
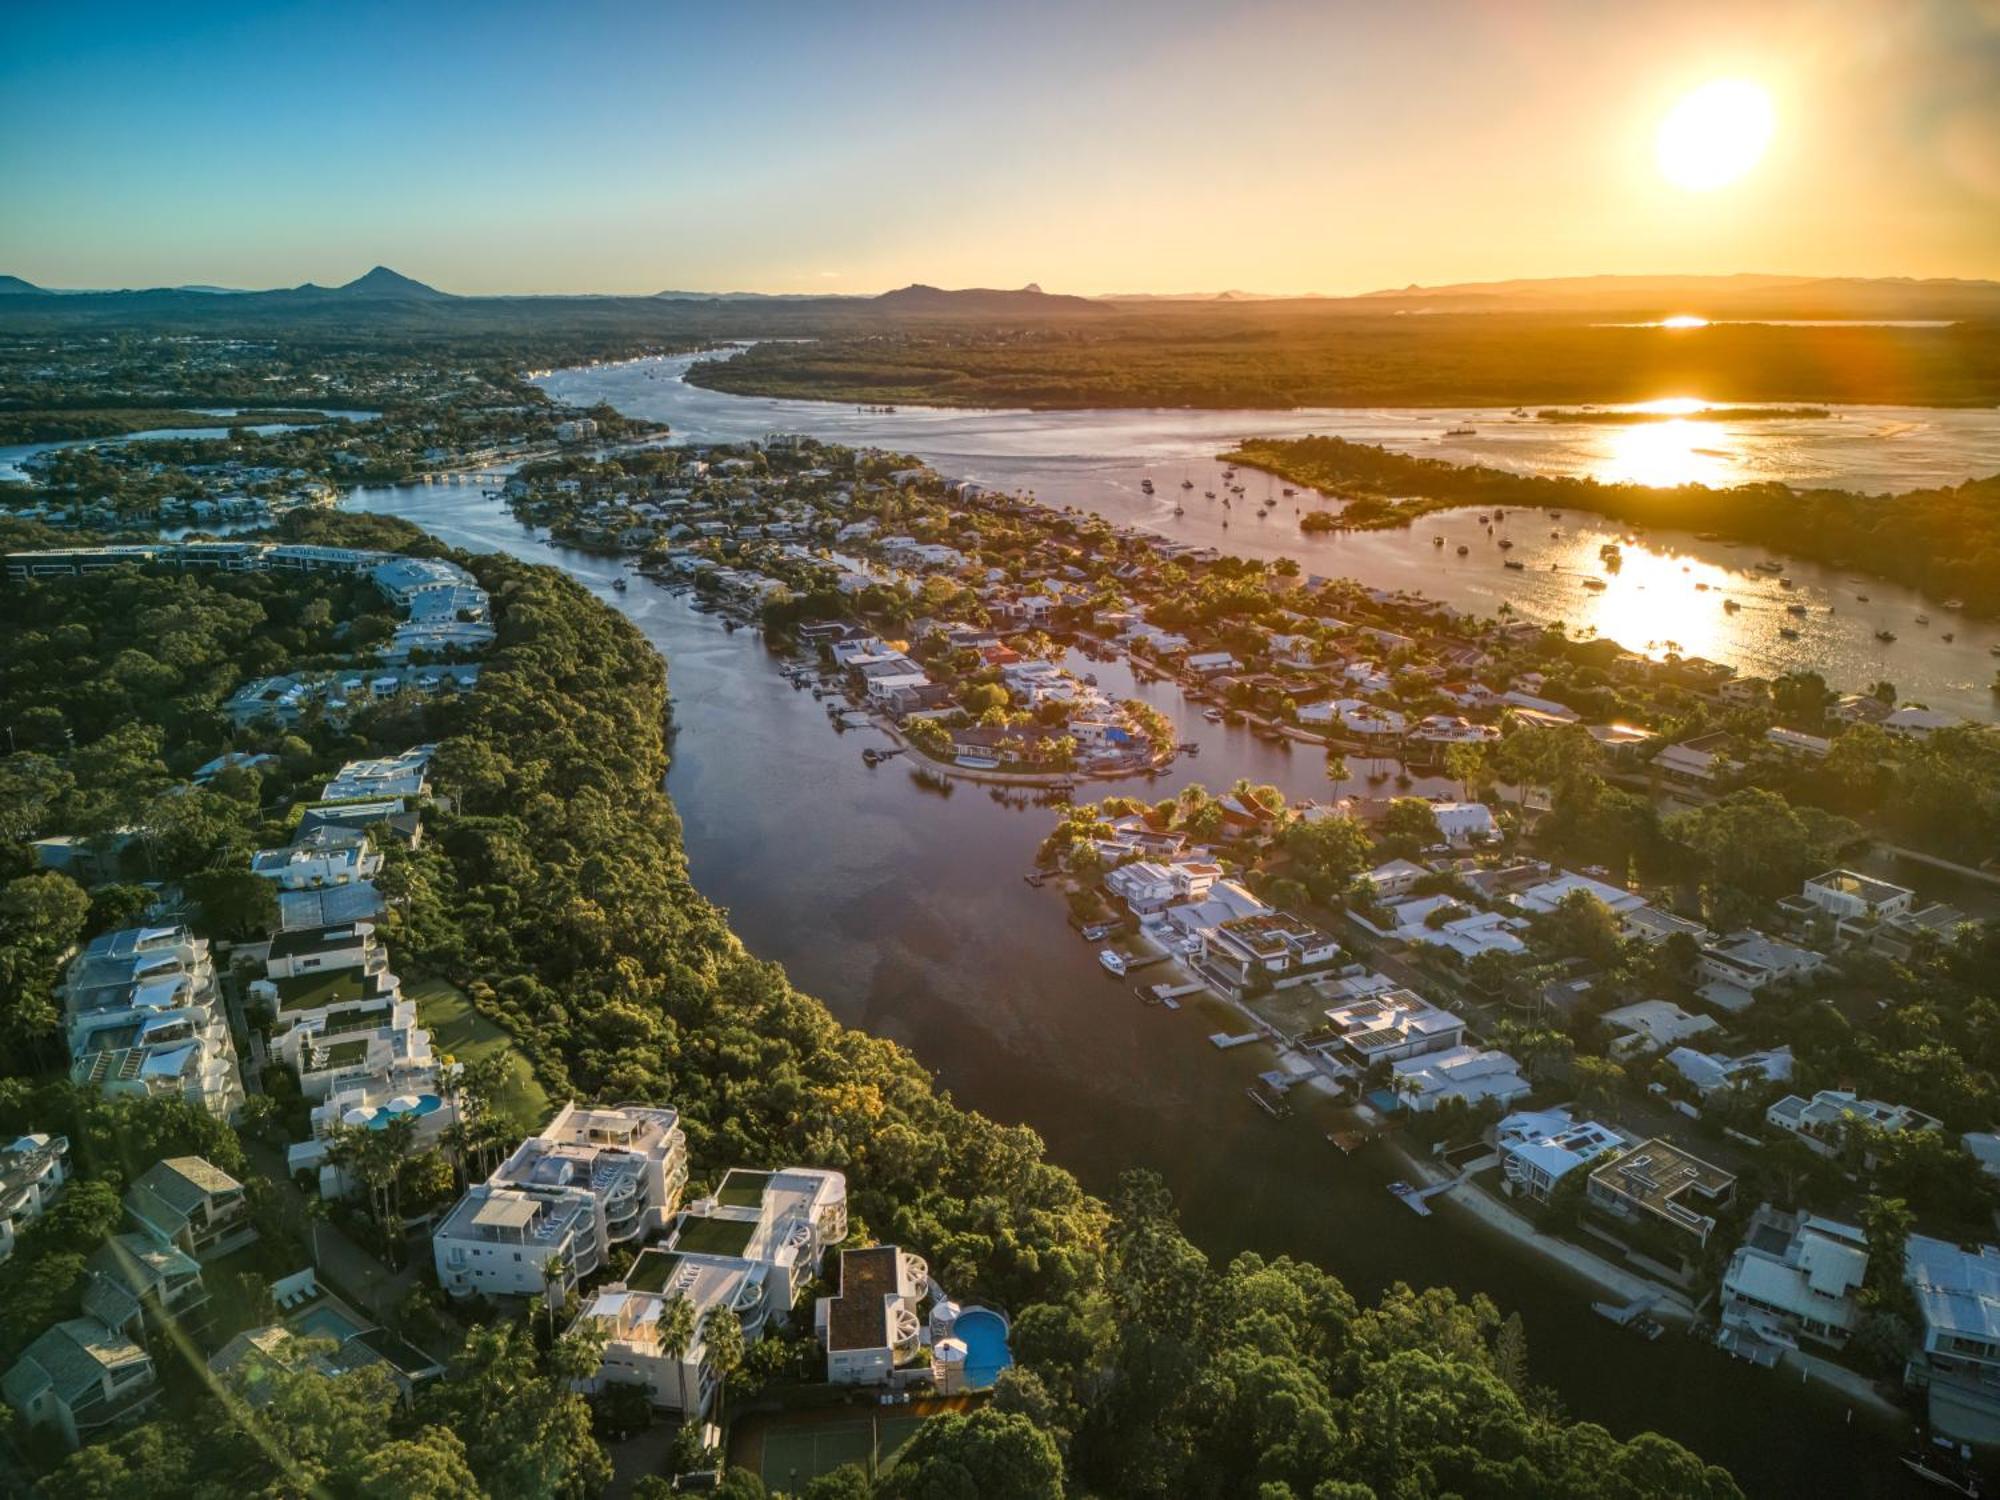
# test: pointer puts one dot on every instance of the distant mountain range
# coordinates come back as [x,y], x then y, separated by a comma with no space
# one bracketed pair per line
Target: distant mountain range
[388,298]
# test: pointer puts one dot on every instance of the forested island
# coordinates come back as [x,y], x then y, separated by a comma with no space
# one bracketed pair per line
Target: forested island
[1281,355]
[1945,542]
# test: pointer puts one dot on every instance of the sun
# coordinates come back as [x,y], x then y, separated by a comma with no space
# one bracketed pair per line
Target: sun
[1715,135]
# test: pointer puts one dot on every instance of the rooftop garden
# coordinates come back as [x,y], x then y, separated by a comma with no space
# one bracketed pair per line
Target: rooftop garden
[742,1188]
[699,1235]
[652,1270]
[310,991]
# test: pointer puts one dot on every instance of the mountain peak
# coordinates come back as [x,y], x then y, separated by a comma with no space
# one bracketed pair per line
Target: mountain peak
[15,284]
[383,282]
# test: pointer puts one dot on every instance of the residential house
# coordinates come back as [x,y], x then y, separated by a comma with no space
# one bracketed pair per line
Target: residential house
[1651,1026]
[1710,1073]
[1824,1121]
[192,1204]
[1388,1026]
[1540,1147]
[1796,1276]
[1148,887]
[1737,967]
[1660,1183]
[1262,946]
[1958,1362]
[1464,1073]
[81,1377]
[33,1171]
[872,1323]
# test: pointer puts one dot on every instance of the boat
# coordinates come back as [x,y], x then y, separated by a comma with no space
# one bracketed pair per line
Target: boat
[1146,485]
[1948,637]
[1885,635]
[1213,715]
[1863,598]
[1730,606]
[1518,567]
[618,584]
[1788,633]
[1210,494]
[1113,961]
[1795,609]
[1954,604]
[1437,541]
[1923,619]
[1289,492]
[1180,510]
[1463,550]
[1505,544]
[1944,1464]
[1595,585]
[1451,432]
[1187,484]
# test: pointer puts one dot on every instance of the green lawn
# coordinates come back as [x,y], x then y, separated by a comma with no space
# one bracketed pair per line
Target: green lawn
[702,1236]
[742,1188]
[459,1031]
[651,1271]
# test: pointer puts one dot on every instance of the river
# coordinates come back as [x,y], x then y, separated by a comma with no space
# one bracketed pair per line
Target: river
[905,911]
[1668,594]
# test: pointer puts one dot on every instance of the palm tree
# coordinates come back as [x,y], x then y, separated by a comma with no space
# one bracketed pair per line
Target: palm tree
[553,1271]
[676,1334]
[317,1213]
[723,1334]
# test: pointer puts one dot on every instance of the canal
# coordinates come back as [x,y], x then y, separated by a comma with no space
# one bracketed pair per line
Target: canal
[904,910]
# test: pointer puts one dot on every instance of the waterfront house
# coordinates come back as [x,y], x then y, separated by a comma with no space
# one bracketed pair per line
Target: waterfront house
[1208,663]
[1957,1365]
[1915,722]
[1662,1184]
[33,1171]
[1147,887]
[192,1204]
[1388,1026]
[1650,1026]
[1795,1276]
[1824,1121]
[1247,950]
[872,1324]
[1466,825]
[1540,1147]
[1464,1073]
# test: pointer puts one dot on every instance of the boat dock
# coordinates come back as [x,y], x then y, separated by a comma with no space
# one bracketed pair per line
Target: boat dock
[1418,1199]
[1223,1041]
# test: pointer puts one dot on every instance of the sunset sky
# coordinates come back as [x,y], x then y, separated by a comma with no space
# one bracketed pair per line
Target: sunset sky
[1277,146]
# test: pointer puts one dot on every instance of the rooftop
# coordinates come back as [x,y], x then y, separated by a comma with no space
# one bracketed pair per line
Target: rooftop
[858,1314]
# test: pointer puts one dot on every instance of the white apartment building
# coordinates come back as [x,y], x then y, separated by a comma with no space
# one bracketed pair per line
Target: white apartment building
[593,1179]
[751,1248]
[145,1017]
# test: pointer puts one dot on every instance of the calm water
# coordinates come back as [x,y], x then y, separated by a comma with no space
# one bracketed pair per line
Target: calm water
[1097,459]
[905,911]
[14,455]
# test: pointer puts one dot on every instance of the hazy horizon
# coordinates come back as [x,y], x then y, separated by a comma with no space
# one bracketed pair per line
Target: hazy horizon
[1284,148]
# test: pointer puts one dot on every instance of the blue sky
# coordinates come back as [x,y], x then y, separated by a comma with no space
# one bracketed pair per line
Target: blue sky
[1277,145]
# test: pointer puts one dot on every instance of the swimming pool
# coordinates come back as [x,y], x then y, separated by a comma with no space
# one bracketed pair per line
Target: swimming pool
[984,1333]
[325,1323]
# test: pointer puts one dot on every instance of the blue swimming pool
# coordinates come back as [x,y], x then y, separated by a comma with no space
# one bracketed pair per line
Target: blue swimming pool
[325,1323]
[426,1104]
[984,1333]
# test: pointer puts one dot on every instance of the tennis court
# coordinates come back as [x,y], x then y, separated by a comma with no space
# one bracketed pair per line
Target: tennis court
[792,1453]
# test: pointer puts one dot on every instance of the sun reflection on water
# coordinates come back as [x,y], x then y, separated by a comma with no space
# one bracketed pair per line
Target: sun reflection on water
[1666,454]
[1651,603]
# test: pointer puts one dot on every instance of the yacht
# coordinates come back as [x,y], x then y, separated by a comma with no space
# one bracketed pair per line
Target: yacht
[1885,635]
[1463,550]
[1923,619]
[1595,585]
[1437,541]
[1146,486]
[1187,484]
[1452,432]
